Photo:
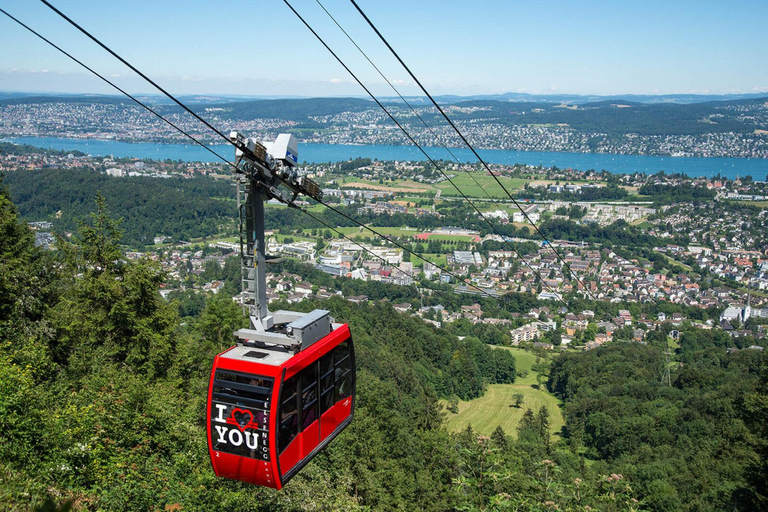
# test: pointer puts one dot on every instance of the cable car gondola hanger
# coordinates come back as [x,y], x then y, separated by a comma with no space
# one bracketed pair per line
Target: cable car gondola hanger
[287,387]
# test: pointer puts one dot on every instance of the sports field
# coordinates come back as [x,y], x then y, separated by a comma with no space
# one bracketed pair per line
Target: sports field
[495,407]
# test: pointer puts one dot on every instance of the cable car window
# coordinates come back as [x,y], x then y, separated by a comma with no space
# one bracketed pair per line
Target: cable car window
[240,414]
[289,418]
[327,382]
[308,395]
[342,361]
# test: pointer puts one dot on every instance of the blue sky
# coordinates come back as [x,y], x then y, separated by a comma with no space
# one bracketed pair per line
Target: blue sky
[258,47]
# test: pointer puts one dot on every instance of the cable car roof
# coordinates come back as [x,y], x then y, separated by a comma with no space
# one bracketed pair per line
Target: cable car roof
[268,356]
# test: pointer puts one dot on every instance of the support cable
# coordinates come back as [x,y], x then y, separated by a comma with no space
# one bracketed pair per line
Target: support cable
[395,89]
[463,138]
[142,75]
[196,141]
[170,123]
[408,135]
[170,96]
[412,253]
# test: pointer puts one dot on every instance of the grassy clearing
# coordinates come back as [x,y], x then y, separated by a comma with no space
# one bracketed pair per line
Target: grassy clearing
[759,204]
[393,186]
[673,263]
[364,233]
[524,360]
[494,407]
[316,208]
[437,259]
[520,225]
[296,238]
[481,186]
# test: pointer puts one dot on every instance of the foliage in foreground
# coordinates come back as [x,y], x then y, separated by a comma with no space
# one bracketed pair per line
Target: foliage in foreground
[102,399]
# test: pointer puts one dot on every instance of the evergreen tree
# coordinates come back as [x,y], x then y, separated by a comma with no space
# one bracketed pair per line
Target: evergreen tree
[542,423]
[219,320]
[111,312]
[499,438]
[16,253]
[528,430]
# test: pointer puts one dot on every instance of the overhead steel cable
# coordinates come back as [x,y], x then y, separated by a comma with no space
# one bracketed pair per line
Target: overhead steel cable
[426,125]
[149,109]
[361,246]
[142,75]
[463,138]
[404,100]
[412,253]
[395,89]
[197,117]
[410,137]
[170,96]
[196,141]
[392,86]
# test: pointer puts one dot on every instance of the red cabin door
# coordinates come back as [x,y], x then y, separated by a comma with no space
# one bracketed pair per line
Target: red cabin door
[315,403]
[310,424]
[336,386]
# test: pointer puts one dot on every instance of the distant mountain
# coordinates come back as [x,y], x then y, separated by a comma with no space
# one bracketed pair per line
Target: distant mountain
[624,115]
[577,99]
[573,99]
[61,98]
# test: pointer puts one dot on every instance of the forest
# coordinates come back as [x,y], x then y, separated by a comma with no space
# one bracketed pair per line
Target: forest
[8,148]
[102,405]
[188,208]
[176,207]
[666,194]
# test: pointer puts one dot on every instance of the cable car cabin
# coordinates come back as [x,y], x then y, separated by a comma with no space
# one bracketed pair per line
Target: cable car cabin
[287,388]
[270,408]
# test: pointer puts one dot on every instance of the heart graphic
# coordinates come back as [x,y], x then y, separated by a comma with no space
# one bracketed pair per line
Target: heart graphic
[242,417]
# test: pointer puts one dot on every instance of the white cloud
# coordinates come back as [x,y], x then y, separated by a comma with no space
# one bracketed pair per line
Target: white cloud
[336,80]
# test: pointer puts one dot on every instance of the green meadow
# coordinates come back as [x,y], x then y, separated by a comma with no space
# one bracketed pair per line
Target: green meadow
[480,185]
[496,407]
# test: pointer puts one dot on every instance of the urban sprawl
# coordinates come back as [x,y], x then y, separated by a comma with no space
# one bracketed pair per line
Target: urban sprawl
[722,262]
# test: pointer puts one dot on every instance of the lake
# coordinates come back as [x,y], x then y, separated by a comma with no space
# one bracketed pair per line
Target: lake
[316,153]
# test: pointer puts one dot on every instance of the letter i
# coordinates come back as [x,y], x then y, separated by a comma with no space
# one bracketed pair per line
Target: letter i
[222,408]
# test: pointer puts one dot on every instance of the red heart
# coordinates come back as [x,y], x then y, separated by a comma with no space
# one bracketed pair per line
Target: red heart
[239,416]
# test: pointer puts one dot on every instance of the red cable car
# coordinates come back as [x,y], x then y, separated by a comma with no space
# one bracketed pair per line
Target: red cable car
[287,388]
[270,411]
